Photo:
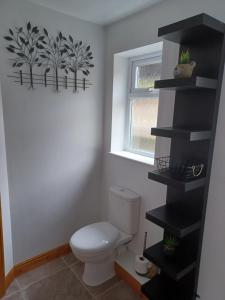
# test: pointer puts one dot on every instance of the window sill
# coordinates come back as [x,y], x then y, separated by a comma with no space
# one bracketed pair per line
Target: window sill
[135,157]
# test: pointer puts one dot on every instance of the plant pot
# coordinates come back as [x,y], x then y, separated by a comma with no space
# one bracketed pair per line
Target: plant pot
[184,70]
[169,251]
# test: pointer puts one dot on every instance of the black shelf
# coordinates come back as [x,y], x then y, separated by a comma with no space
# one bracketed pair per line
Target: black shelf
[163,288]
[193,29]
[190,135]
[177,267]
[196,82]
[185,186]
[174,218]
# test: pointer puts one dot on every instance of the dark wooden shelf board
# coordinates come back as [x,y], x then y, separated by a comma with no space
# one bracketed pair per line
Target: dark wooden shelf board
[191,135]
[196,82]
[194,29]
[177,267]
[173,218]
[163,288]
[185,186]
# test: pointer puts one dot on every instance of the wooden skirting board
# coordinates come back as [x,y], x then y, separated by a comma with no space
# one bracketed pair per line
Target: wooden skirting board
[41,259]
[9,279]
[2,263]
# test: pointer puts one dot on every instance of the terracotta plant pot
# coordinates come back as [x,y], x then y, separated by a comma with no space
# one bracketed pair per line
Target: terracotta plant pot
[184,70]
[169,251]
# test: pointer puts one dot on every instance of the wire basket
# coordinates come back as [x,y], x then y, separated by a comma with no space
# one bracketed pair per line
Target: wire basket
[184,170]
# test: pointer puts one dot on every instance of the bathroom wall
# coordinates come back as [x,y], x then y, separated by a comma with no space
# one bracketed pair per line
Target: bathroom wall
[53,141]
[4,190]
[140,30]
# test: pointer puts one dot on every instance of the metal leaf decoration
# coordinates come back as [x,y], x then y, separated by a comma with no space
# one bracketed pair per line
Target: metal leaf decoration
[32,46]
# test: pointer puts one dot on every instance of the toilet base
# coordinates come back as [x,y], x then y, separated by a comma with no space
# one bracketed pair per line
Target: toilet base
[97,273]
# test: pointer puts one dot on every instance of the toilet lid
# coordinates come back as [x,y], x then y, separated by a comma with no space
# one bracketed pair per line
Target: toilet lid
[95,237]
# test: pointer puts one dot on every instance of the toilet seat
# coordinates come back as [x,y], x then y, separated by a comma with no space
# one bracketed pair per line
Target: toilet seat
[95,238]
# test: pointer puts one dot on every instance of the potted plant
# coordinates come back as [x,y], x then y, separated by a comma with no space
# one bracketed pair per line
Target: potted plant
[185,67]
[170,244]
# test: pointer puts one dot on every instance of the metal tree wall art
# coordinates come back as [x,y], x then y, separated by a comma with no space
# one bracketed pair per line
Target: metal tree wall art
[32,48]
[79,57]
[53,54]
[23,45]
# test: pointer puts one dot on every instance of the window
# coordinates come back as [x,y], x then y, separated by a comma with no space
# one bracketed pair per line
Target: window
[142,108]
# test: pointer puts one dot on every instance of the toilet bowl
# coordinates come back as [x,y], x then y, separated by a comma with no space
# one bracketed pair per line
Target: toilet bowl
[96,244]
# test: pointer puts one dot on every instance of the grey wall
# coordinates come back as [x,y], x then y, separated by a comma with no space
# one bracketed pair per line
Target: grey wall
[53,141]
[136,31]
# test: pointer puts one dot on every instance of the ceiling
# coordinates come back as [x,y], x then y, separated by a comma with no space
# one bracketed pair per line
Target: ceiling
[102,12]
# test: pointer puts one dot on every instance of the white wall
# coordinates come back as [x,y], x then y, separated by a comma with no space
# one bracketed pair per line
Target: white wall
[4,190]
[140,30]
[120,79]
[53,141]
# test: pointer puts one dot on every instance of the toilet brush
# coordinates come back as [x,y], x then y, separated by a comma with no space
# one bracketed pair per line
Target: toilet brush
[145,241]
[141,263]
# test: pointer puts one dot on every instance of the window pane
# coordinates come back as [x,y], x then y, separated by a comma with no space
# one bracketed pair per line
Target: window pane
[146,75]
[143,116]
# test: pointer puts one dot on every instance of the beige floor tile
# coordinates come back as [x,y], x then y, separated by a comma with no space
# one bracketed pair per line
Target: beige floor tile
[70,259]
[98,290]
[120,292]
[12,288]
[101,289]
[15,296]
[61,286]
[41,272]
[78,269]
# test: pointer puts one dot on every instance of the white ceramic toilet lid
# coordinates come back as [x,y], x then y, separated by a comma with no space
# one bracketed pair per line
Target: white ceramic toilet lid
[95,237]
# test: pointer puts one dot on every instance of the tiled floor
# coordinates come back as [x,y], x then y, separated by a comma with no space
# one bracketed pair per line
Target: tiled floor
[60,279]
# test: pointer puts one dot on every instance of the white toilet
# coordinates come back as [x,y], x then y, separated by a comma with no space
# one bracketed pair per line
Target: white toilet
[96,244]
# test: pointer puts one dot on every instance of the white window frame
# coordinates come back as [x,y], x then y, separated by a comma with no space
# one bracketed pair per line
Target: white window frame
[138,93]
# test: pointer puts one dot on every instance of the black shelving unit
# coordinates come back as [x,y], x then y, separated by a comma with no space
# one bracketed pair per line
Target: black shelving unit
[192,137]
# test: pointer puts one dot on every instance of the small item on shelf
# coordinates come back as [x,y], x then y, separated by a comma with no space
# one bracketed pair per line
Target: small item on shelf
[184,170]
[185,67]
[153,271]
[187,171]
[170,244]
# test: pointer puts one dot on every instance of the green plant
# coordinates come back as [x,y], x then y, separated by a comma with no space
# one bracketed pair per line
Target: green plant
[185,57]
[170,242]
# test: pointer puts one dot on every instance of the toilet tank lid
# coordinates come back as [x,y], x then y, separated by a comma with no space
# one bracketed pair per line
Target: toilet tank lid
[124,193]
